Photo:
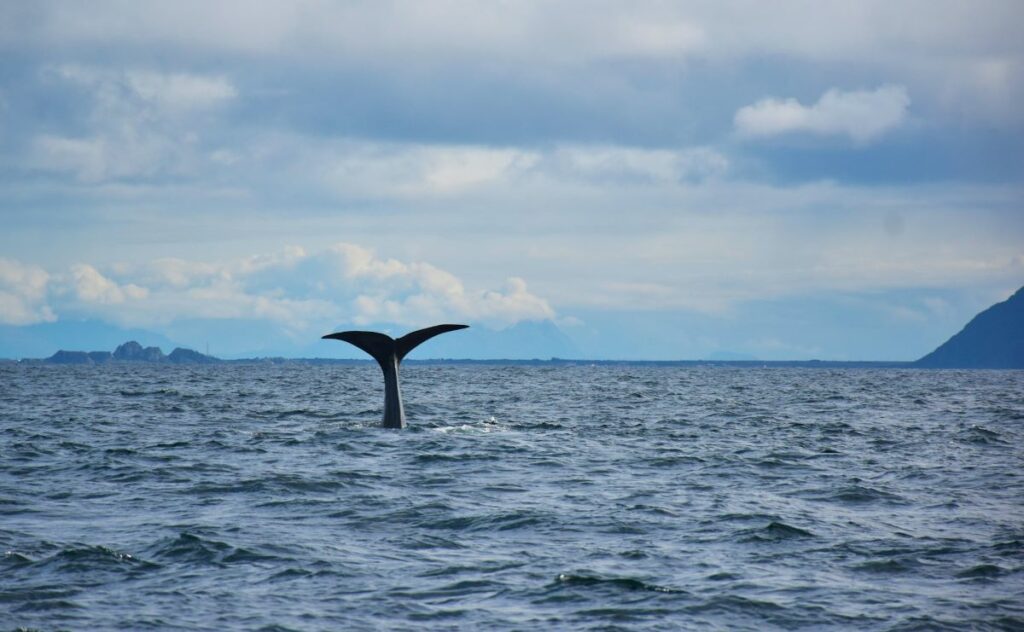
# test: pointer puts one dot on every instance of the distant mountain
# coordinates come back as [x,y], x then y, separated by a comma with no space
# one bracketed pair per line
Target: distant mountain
[134,352]
[188,356]
[71,357]
[130,351]
[994,339]
[43,339]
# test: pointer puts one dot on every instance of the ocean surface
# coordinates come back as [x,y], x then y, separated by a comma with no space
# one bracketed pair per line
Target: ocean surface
[244,497]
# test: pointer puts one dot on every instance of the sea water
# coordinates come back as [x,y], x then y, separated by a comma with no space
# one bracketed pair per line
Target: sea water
[519,498]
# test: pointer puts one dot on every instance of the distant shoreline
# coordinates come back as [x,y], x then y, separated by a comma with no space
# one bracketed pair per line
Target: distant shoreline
[551,362]
[585,362]
[991,340]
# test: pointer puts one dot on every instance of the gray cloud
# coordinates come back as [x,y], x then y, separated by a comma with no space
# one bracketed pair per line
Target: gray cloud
[139,123]
[960,60]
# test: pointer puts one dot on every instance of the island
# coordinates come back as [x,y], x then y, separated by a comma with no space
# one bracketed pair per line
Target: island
[129,352]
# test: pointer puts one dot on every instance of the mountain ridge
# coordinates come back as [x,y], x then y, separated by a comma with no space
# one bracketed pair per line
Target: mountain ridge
[993,339]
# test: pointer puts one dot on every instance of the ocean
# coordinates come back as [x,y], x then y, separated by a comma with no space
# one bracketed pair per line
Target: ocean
[266,497]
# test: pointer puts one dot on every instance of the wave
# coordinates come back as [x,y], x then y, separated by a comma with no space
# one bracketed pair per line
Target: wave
[197,550]
[774,532]
[587,580]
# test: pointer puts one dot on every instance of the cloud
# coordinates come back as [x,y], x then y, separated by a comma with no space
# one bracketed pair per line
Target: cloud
[92,287]
[388,290]
[178,92]
[159,91]
[533,29]
[139,123]
[587,146]
[861,115]
[937,38]
[654,74]
[446,99]
[564,33]
[296,290]
[604,163]
[356,169]
[352,169]
[23,293]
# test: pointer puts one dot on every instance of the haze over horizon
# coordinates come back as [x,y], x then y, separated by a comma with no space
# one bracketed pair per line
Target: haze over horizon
[658,180]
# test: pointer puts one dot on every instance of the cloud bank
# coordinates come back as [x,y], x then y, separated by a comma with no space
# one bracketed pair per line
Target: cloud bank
[298,291]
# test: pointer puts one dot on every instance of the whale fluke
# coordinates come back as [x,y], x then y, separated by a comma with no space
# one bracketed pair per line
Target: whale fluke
[389,354]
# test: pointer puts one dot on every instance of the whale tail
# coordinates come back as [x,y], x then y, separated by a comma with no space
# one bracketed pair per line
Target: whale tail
[389,353]
[382,347]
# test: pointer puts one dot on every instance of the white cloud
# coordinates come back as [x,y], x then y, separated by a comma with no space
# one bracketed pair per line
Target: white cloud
[23,290]
[92,287]
[169,272]
[862,115]
[453,170]
[707,247]
[300,291]
[415,293]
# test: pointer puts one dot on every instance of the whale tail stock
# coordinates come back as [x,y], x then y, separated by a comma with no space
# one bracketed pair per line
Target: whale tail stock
[389,353]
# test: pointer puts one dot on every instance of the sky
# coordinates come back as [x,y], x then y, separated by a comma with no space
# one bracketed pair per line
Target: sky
[660,180]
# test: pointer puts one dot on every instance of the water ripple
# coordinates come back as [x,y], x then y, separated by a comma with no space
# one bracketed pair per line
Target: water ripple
[239,497]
